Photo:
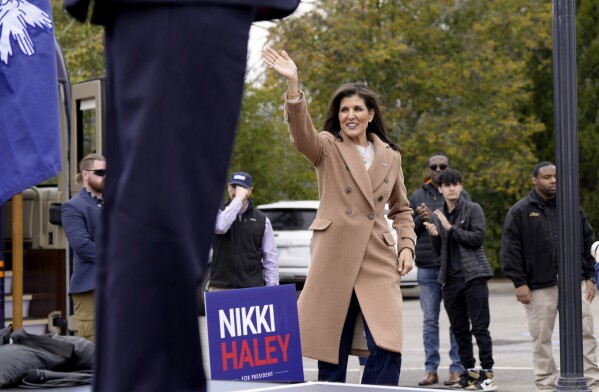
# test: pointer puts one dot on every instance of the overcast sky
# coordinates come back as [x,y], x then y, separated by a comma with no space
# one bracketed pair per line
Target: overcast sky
[258,34]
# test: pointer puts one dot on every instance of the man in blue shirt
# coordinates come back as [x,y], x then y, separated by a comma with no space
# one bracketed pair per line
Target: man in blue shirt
[244,250]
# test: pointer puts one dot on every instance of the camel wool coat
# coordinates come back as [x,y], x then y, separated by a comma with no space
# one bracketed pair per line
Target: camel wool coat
[353,249]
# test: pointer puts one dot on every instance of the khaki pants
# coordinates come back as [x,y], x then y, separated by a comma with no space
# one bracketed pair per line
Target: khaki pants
[84,306]
[541,314]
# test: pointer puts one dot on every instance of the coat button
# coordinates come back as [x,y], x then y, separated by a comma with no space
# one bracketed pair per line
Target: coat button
[348,189]
[380,198]
[348,211]
[386,179]
[370,217]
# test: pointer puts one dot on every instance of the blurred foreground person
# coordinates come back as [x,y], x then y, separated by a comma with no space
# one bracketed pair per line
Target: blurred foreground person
[175,72]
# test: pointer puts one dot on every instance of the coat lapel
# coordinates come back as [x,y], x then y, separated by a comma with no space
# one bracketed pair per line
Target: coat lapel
[90,201]
[383,161]
[350,155]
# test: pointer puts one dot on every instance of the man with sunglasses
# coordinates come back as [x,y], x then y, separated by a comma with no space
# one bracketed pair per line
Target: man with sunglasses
[81,221]
[424,201]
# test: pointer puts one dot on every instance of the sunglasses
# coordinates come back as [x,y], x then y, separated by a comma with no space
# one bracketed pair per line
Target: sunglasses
[434,167]
[98,172]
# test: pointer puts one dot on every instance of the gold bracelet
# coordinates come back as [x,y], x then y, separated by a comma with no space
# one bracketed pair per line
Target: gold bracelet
[291,97]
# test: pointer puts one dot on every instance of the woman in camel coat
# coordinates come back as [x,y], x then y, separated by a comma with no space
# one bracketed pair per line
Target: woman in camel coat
[355,264]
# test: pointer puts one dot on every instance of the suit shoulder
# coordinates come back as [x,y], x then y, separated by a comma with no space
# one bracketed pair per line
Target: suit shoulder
[73,201]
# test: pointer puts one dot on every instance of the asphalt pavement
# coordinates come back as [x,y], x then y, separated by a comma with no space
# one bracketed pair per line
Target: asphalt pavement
[512,351]
[512,347]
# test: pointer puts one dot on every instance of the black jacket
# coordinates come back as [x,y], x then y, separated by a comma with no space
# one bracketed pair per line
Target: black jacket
[429,195]
[469,233]
[529,248]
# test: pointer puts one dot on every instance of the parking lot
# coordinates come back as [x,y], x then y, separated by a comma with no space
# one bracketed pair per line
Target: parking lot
[511,342]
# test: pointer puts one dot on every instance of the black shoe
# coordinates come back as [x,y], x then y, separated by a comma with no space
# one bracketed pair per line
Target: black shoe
[468,379]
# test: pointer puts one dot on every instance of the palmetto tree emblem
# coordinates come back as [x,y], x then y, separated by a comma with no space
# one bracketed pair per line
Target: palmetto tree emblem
[15,17]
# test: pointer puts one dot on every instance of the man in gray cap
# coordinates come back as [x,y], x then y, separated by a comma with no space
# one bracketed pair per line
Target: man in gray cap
[244,250]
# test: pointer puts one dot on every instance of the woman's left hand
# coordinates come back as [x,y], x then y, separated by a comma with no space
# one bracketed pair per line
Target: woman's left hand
[405,261]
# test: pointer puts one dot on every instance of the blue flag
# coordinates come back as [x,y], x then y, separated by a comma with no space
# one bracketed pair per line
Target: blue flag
[29,111]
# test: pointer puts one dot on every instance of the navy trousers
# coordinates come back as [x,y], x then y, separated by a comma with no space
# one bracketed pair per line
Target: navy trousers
[175,81]
[382,367]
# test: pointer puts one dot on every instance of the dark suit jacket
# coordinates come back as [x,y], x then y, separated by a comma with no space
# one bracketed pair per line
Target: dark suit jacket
[81,223]
[265,9]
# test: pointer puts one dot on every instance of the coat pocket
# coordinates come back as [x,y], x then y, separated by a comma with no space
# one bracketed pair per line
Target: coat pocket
[389,239]
[320,224]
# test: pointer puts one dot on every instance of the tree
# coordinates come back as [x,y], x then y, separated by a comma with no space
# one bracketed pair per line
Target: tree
[541,72]
[262,148]
[452,76]
[82,45]
[587,51]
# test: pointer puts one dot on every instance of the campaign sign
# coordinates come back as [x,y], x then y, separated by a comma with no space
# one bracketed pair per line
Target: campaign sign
[253,334]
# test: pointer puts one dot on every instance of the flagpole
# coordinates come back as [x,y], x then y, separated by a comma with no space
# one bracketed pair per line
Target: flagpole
[17,261]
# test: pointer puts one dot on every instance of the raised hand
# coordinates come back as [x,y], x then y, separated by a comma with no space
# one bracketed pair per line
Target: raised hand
[280,62]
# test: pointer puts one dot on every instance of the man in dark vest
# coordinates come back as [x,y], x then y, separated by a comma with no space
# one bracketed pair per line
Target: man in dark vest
[244,250]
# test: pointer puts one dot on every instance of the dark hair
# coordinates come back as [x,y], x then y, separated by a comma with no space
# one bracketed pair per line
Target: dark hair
[372,101]
[438,154]
[538,167]
[449,176]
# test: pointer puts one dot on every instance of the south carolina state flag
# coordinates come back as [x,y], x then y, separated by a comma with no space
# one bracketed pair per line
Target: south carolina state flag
[29,116]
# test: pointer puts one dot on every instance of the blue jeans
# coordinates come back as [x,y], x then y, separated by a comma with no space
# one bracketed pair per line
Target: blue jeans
[430,302]
[382,367]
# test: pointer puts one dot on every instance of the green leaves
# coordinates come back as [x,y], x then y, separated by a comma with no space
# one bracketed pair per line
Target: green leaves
[453,76]
[82,45]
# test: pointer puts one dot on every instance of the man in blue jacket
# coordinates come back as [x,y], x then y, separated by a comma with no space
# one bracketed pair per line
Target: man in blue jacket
[81,221]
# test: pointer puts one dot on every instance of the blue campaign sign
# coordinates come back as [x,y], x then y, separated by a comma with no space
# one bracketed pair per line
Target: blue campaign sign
[253,334]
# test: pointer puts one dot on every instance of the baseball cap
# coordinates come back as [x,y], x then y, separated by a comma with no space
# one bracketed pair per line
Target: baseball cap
[241,178]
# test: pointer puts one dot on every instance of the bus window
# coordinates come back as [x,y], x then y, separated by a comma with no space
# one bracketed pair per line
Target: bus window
[86,114]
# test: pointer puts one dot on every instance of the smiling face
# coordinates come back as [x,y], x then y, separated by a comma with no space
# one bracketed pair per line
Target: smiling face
[354,117]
